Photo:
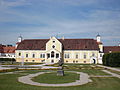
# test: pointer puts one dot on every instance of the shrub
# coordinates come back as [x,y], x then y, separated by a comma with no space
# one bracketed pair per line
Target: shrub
[7,60]
[111,59]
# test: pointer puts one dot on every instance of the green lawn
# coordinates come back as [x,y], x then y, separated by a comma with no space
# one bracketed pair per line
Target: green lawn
[10,81]
[52,78]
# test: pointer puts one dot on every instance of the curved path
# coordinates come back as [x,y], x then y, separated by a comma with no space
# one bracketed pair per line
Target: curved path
[83,79]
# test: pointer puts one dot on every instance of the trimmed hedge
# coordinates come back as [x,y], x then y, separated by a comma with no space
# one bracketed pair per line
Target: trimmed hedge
[7,59]
[111,59]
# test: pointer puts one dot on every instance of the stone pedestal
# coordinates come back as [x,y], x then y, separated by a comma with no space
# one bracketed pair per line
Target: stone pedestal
[60,73]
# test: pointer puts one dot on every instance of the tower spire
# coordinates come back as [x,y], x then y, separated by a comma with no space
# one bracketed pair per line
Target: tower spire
[98,37]
[20,38]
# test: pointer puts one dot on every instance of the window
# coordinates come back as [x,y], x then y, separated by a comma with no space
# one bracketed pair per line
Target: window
[52,54]
[66,61]
[84,55]
[19,54]
[33,60]
[43,61]
[53,41]
[76,55]
[67,55]
[48,55]
[76,61]
[42,55]
[52,61]
[84,61]
[26,55]
[33,56]
[93,54]
[53,46]
[57,55]
[73,61]
[26,60]
[100,55]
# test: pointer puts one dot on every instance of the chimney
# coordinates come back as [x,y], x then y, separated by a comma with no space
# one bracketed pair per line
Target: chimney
[63,38]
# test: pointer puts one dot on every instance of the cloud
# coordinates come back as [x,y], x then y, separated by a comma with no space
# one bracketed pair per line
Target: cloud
[37,21]
[73,2]
[7,4]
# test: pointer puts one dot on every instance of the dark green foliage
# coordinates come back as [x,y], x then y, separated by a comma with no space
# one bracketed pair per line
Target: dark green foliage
[7,59]
[112,59]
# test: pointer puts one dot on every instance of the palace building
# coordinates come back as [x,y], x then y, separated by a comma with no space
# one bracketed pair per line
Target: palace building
[52,50]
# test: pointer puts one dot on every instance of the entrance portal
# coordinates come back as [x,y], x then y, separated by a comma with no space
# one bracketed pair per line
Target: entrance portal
[52,61]
[94,61]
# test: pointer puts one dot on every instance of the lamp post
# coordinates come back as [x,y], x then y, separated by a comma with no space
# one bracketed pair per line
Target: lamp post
[22,63]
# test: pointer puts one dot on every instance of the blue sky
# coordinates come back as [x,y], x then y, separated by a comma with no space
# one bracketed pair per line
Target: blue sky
[35,19]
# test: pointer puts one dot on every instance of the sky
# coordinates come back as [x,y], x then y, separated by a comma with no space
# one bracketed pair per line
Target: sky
[41,19]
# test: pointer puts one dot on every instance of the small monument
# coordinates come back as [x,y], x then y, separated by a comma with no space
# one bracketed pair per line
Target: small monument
[60,71]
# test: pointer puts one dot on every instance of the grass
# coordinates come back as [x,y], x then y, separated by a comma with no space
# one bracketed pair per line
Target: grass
[52,78]
[18,63]
[10,81]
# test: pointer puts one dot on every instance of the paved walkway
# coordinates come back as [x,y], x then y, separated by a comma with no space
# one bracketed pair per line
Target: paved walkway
[41,66]
[113,74]
[4,68]
[101,76]
[115,69]
[84,78]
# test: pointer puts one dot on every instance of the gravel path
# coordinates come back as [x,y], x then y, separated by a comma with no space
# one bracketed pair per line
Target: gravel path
[113,74]
[4,68]
[115,69]
[84,78]
[101,76]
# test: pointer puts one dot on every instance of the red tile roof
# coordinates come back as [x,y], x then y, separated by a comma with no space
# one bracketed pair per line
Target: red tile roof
[7,49]
[68,44]
[1,48]
[108,49]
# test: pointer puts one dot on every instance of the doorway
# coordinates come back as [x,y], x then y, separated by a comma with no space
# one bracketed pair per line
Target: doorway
[52,61]
[94,61]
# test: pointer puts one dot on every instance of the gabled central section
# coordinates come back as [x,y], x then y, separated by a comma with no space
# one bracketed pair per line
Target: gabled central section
[53,50]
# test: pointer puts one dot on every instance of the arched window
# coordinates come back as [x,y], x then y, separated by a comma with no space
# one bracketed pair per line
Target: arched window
[26,55]
[33,55]
[19,54]
[76,55]
[52,54]
[85,56]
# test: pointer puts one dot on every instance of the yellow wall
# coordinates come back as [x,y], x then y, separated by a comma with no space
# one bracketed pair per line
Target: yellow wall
[80,58]
[57,49]
[101,47]
[29,58]
[57,44]
[72,58]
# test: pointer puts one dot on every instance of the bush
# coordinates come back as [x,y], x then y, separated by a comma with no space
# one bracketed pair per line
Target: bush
[7,59]
[111,59]
[3,60]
